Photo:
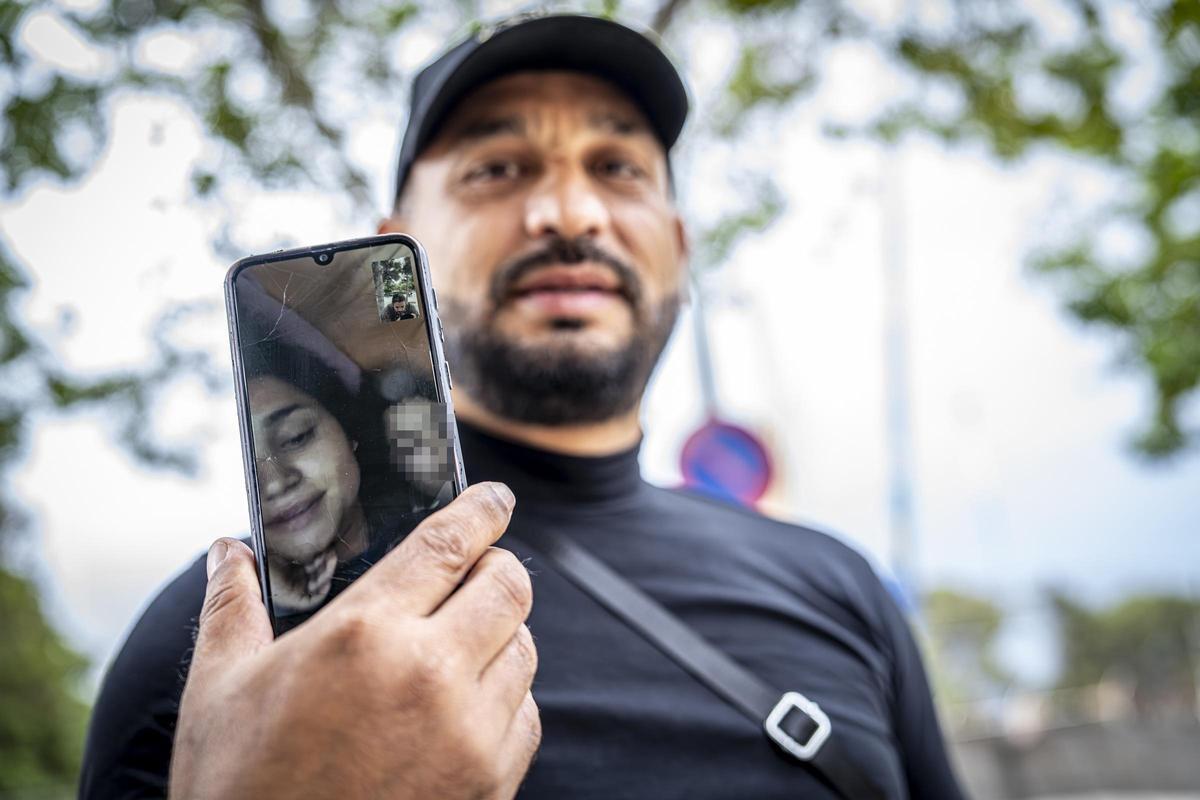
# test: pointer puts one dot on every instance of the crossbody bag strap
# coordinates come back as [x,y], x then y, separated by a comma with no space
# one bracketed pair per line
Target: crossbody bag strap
[792,721]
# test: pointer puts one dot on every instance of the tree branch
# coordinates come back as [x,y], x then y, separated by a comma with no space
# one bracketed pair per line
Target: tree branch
[664,16]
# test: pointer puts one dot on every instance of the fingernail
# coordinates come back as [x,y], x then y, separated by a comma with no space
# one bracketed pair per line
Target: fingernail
[506,493]
[216,554]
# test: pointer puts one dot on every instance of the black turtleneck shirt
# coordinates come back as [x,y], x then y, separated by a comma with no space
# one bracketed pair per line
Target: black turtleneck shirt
[620,719]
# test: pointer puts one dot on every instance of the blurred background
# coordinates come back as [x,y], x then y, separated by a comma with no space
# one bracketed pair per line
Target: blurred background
[947,288]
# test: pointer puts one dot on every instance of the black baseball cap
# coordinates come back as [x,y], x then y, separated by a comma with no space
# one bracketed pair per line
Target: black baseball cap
[630,60]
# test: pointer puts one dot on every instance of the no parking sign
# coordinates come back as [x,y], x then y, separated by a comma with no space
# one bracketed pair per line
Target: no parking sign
[726,461]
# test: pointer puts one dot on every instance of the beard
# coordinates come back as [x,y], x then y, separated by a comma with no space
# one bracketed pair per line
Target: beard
[563,382]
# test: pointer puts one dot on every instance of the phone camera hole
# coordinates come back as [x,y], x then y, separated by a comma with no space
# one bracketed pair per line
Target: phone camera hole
[324,258]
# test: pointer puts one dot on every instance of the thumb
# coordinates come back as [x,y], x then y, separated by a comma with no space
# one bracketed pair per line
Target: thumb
[233,620]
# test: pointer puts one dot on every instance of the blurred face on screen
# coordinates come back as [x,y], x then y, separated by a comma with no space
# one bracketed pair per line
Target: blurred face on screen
[308,478]
[544,201]
[419,443]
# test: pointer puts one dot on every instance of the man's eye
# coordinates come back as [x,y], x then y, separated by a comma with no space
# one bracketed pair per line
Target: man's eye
[495,171]
[618,168]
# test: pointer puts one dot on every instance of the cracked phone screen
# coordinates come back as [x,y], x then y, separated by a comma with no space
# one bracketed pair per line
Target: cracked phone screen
[350,439]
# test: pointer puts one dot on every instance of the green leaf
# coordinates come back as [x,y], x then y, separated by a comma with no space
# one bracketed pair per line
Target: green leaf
[744,7]
[42,720]
[11,14]
[34,123]
[716,244]
[203,182]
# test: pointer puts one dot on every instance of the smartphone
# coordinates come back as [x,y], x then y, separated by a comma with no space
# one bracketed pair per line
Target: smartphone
[343,397]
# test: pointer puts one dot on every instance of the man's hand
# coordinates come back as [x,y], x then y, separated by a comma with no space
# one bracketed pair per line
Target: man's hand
[402,687]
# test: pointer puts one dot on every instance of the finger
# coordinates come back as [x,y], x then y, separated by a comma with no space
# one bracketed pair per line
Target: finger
[508,677]
[233,620]
[520,744]
[482,616]
[432,561]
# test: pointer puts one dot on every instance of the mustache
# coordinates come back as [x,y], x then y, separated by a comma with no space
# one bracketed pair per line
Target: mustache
[560,250]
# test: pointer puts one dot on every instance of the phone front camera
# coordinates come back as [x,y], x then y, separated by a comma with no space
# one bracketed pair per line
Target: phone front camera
[324,258]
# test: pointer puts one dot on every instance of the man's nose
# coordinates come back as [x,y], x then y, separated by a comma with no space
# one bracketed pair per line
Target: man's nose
[567,204]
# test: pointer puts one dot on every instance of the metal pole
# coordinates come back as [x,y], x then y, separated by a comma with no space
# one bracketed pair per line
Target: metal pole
[896,377]
[704,365]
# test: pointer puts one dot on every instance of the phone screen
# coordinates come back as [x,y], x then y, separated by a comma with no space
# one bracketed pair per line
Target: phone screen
[349,434]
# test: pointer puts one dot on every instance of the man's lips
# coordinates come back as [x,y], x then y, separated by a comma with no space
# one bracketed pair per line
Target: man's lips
[569,290]
[296,516]
[576,277]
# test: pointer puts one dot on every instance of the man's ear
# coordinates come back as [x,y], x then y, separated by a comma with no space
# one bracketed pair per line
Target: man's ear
[682,242]
[392,224]
[684,247]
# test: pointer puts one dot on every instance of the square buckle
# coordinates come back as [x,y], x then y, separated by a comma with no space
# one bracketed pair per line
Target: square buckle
[795,700]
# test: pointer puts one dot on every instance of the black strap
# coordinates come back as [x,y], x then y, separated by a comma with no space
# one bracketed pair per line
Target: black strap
[791,716]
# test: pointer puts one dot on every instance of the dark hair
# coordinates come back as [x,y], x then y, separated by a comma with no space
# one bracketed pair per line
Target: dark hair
[396,297]
[308,373]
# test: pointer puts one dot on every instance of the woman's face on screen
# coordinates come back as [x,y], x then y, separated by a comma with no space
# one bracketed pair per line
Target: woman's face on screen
[308,478]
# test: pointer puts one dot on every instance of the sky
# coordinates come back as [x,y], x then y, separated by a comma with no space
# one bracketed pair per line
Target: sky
[1018,416]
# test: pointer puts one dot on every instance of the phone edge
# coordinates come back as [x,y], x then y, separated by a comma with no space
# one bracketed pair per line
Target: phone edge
[246,435]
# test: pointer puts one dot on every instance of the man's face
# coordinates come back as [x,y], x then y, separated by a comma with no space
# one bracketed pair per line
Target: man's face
[544,205]
[399,306]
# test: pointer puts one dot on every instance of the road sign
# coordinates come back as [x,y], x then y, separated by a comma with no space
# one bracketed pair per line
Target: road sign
[726,461]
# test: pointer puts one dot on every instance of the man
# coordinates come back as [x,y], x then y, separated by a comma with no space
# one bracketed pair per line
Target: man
[534,169]
[399,309]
